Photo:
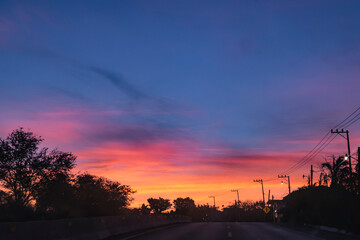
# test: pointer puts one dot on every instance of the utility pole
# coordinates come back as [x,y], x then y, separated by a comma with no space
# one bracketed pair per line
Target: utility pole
[311,175]
[214,200]
[238,201]
[288,179]
[262,187]
[349,153]
[269,196]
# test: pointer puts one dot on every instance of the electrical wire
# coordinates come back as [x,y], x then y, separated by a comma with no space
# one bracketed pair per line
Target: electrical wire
[347,117]
[314,155]
[352,121]
[309,154]
[322,144]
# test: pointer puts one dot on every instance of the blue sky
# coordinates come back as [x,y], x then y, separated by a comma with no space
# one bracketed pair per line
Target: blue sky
[241,77]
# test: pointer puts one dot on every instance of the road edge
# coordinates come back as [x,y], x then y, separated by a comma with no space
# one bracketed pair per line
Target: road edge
[141,232]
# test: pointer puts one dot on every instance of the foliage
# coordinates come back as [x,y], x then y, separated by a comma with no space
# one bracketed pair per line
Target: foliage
[159,205]
[246,211]
[82,195]
[336,172]
[98,196]
[23,165]
[184,206]
[55,197]
[205,213]
[38,182]
[323,205]
[145,210]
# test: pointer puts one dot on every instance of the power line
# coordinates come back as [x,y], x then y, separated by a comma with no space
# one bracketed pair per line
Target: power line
[322,144]
[314,155]
[347,118]
[311,154]
[352,121]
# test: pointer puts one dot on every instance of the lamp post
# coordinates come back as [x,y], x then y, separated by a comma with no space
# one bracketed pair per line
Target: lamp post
[238,201]
[262,187]
[214,200]
[288,181]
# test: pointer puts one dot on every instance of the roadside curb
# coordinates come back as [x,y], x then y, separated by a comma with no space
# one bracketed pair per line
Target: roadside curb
[330,229]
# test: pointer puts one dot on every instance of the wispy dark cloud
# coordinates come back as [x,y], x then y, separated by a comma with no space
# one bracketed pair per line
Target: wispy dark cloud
[135,93]
[112,131]
[68,93]
[121,84]
[76,69]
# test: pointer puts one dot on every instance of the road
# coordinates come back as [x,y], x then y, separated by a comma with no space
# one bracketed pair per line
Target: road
[233,230]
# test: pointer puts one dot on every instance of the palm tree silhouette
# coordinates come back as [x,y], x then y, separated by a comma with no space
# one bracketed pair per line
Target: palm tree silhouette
[336,171]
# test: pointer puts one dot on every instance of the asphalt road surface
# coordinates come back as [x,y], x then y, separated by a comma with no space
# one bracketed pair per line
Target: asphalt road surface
[233,230]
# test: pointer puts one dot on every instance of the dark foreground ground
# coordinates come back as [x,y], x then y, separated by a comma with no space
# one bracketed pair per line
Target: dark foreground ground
[233,230]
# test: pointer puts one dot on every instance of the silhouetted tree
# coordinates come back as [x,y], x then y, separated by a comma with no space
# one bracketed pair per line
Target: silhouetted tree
[336,207]
[145,210]
[98,196]
[356,176]
[249,211]
[184,206]
[159,205]
[56,196]
[337,171]
[204,213]
[23,165]
[251,206]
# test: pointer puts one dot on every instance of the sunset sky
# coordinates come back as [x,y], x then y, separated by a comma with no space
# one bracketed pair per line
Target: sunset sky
[183,98]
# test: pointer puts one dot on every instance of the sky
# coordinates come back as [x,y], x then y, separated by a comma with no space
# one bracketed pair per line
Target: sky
[182,98]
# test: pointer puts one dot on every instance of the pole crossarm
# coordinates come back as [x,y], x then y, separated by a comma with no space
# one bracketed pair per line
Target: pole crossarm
[288,180]
[237,191]
[262,187]
[214,200]
[337,131]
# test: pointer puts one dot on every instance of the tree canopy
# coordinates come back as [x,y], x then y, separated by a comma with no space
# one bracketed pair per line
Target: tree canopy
[39,182]
[23,165]
[158,205]
[184,206]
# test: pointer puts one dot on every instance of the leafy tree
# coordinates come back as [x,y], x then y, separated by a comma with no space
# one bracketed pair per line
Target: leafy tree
[23,165]
[184,206]
[145,210]
[251,206]
[98,196]
[55,197]
[335,207]
[204,213]
[356,177]
[159,205]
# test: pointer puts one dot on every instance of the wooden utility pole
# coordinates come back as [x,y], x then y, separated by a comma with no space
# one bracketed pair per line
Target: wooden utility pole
[349,153]
[238,201]
[214,200]
[289,184]
[311,175]
[288,180]
[262,187]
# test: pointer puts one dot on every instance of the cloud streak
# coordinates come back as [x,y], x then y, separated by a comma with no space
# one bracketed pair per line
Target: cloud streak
[124,86]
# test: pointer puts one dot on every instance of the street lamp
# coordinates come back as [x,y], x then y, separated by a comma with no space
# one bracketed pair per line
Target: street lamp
[288,180]
[237,191]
